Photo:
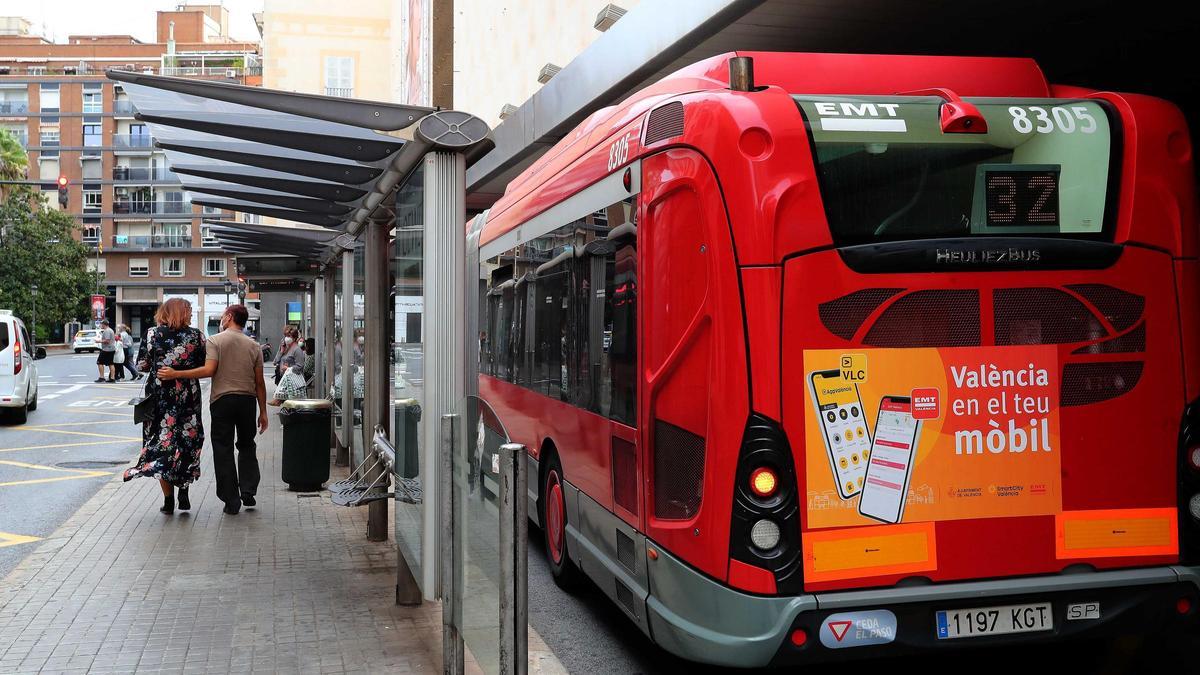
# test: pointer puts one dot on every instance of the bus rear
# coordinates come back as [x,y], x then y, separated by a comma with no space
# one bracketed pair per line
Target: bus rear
[983,306]
[985,374]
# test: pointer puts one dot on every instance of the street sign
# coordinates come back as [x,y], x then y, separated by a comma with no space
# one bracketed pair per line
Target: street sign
[272,285]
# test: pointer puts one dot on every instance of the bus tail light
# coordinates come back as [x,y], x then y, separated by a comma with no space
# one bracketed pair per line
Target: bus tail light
[764,482]
[16,357]
[765,535]
[765,528]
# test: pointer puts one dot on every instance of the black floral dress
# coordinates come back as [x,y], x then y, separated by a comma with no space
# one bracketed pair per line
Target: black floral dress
[173,439]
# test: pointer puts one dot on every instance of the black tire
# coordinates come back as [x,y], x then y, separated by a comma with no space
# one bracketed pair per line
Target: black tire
[33,403]
[78,350]
[558,556]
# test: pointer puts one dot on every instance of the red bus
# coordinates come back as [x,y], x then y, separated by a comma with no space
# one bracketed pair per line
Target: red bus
[869,356]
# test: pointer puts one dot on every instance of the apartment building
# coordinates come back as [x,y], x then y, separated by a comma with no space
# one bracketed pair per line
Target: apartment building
[146,236]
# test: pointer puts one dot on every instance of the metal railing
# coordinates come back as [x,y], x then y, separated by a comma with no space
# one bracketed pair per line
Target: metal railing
[343,92]
[123,108]
[137,141]
[150,241]
[210,71]
[14,107]
[123,173]
[121,206]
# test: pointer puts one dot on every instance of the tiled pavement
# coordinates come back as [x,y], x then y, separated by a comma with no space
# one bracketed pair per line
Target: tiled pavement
[291,586]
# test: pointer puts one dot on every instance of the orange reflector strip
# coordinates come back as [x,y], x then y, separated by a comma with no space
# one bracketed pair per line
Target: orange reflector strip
[1110,533]
[857,552]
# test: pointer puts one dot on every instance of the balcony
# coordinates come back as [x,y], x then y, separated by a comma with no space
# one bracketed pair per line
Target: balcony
[341,92]
[153,241]
[14,107]
[133,141]
[232,72]
[143,174]
[123,107]
[133,206]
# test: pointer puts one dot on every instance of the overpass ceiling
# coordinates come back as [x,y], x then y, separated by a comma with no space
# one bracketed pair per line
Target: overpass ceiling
[1142,48]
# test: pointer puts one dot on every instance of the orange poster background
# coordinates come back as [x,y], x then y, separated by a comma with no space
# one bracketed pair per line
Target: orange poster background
[945,485]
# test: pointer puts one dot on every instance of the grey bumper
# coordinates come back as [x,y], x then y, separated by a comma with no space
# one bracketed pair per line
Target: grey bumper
[709,622]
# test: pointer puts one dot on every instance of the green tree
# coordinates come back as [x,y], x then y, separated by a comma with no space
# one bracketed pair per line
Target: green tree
[13,161]
[39,248]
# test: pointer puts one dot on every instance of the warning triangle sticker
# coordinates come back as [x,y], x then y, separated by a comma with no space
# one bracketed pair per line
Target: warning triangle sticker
[839,628]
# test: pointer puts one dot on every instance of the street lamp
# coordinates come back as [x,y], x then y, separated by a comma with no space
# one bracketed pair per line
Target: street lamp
[228,289]
[33,291]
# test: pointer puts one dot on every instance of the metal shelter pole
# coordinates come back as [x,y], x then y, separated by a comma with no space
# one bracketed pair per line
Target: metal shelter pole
[318,335]
[444,337]
[325,349]
[375,406]
[345,455]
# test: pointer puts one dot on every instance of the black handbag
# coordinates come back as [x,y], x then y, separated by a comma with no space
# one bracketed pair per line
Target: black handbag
[144,406]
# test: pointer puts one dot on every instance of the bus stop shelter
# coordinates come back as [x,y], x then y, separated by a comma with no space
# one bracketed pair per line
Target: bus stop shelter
[328,171]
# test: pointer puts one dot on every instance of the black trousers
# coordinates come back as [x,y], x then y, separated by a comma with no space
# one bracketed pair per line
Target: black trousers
[235,414]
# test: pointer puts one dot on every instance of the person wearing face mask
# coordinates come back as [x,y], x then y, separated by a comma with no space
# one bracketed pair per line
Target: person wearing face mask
[289,346]
[234,362]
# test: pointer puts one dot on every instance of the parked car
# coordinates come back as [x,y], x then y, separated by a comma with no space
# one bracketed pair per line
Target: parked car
[18,372]
[85,340]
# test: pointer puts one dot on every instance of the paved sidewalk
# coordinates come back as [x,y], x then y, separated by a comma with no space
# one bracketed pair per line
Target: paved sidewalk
[290,586]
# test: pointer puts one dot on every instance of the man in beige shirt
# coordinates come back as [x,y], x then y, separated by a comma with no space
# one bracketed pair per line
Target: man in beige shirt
[234,362]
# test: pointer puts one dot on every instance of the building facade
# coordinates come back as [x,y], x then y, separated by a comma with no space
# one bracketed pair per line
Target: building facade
[146,237]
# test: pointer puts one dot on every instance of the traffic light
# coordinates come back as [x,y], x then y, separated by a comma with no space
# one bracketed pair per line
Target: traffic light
[63,196]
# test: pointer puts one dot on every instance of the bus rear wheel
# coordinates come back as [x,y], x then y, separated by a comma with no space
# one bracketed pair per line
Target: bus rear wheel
[554,526]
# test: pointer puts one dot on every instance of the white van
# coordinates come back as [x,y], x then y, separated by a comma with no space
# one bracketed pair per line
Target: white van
[18,372]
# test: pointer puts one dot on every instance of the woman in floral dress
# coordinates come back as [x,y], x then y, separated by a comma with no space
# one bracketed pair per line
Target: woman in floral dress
[174,436]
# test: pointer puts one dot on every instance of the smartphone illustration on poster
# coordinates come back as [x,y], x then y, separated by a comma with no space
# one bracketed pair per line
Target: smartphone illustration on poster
[844,426]
[889,470]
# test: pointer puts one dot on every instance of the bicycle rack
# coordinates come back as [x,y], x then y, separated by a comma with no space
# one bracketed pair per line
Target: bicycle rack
[355,491]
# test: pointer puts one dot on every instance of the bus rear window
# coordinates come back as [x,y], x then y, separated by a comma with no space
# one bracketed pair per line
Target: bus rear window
[3,336]
[887,172]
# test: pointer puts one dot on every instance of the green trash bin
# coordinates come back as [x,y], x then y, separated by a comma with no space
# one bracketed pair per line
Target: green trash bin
[306,432]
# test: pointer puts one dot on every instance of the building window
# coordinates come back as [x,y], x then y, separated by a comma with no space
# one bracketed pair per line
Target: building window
[91,201]
[36,70]
[49,98]
[139,267]
[172,267]
[339,76]
[91,136]
[93,102]
[48,136]
[214,267]
[91,232]
[206,237]
[98,265]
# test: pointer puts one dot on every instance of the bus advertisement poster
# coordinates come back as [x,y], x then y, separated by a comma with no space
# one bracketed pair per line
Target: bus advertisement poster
[929,434]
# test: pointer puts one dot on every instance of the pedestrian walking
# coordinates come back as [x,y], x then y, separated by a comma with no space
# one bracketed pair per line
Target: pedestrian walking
[126,341]
[108,348]
[173,438]
[234,362]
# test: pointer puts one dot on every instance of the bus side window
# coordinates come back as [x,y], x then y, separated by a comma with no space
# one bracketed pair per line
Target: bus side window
[618,339]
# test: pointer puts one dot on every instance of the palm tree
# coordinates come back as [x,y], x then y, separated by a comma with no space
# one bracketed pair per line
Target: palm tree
[14,163]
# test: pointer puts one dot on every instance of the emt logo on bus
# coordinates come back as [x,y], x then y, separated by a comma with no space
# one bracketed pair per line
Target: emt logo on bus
[859,116]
